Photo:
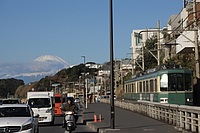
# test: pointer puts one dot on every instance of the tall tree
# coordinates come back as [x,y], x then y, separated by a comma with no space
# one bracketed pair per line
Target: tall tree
[149,50]
[9,86]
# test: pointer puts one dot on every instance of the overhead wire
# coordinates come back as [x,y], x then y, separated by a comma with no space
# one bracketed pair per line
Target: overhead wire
[184,28]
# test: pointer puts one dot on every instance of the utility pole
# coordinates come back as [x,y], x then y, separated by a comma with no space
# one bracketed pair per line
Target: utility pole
[142,56]
[112,107]
[84,89]
[196,86]
[94,89]
[196,39]
[86,83]
[158,44]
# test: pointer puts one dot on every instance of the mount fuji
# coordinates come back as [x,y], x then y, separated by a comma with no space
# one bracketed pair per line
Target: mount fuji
[46,65]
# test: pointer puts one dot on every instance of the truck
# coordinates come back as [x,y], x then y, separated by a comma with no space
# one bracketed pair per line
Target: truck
[71,94]
[42,103]
[59,100]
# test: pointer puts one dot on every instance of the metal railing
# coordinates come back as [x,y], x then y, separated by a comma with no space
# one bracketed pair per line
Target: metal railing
[184,118]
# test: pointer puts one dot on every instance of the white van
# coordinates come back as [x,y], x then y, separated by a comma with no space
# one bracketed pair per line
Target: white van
[42,103]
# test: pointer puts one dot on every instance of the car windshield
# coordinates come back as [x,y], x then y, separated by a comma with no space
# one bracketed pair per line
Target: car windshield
[39,102]
[15,112]
[58,100]
[10,101]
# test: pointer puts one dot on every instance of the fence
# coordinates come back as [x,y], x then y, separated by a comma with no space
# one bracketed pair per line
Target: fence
[184,118]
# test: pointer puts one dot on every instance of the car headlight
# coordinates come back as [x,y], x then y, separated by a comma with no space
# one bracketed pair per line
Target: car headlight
[26,127]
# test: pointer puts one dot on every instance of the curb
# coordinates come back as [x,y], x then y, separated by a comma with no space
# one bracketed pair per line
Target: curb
[92,126]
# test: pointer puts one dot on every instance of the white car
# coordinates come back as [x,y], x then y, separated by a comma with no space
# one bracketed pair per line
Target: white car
[18,118]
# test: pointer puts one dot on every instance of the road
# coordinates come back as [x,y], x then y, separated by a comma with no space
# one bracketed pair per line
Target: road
[125,121]
[56,128]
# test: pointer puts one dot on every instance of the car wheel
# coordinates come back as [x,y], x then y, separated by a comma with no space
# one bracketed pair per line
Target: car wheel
[52,123]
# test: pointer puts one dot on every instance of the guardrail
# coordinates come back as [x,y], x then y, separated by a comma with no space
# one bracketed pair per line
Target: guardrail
[184,118]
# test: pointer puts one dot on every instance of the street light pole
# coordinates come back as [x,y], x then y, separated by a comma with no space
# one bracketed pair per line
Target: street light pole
[112,108]
[84,91]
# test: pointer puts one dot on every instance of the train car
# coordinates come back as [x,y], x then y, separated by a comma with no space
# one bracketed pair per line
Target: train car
[169,85]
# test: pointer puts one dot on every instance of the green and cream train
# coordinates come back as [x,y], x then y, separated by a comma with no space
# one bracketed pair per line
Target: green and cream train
[173,86]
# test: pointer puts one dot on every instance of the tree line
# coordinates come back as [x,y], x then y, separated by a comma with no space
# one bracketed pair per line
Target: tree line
[17,88]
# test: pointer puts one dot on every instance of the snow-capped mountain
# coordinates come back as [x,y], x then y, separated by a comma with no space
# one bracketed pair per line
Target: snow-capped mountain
[46,65]
[53,58]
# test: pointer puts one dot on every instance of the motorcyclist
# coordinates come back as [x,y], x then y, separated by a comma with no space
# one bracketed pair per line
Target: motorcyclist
[69,106]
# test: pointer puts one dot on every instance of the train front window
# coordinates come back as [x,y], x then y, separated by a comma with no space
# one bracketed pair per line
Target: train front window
[176,82]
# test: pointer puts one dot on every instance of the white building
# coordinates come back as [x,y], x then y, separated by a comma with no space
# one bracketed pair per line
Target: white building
[92,65]
[138,40]
[185,42]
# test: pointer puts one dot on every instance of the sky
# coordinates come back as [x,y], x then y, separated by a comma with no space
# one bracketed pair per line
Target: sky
[70,29]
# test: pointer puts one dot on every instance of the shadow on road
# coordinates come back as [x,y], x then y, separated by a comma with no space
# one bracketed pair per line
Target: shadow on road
[88,112]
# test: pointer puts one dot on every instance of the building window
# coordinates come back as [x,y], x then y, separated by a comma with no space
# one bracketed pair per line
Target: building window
[138,39]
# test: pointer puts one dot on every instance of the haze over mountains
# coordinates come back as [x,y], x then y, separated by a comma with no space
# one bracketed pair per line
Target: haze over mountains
[42,66]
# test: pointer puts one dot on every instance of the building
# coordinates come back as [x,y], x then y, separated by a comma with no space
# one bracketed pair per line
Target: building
[177,38]
[138,40]
[185,41]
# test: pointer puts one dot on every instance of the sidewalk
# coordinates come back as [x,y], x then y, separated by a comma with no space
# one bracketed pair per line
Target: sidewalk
[96,109]
[125,121]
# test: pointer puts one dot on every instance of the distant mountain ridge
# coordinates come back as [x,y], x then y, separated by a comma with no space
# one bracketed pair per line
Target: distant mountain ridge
[46,65]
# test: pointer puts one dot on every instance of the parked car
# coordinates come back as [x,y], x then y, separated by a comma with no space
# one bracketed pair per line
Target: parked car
[18,118]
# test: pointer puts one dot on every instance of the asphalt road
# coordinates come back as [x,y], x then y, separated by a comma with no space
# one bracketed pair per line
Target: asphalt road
[56,128]
[125,121]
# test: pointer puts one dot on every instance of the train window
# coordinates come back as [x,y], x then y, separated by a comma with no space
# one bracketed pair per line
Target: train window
[172,82]
[140,86]
[147,85]
[188,82]
[156,88]
[176,82]
[151,85]
[132,88]
[180,79]
[143,87]
[164,82]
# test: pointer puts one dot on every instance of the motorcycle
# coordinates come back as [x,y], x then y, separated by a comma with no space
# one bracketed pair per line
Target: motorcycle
[70,124]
